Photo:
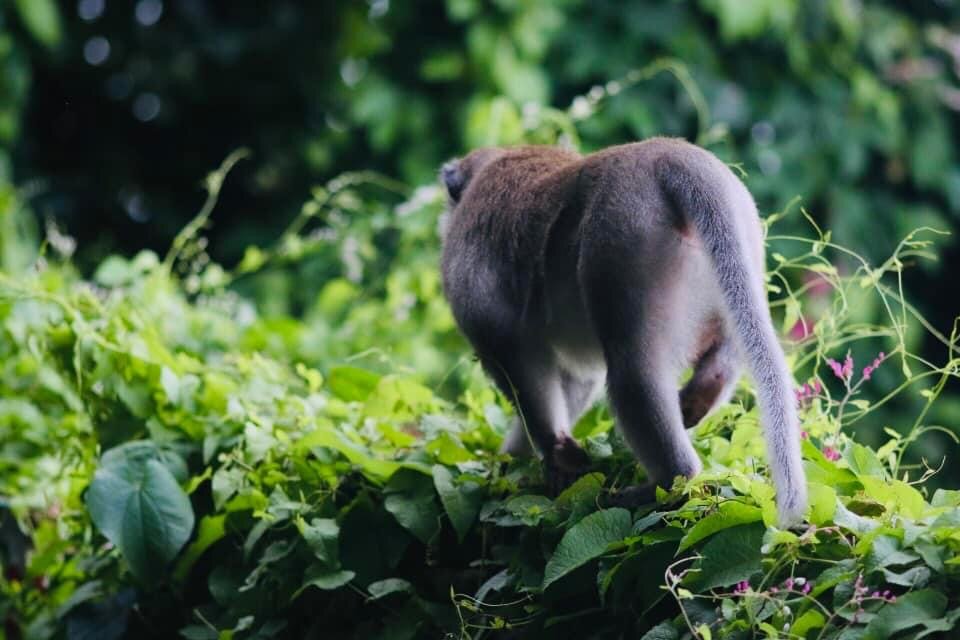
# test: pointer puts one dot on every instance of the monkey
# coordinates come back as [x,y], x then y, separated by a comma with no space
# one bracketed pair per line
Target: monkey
[626,266]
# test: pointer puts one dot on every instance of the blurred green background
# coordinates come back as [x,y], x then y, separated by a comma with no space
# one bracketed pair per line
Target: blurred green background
[112,112]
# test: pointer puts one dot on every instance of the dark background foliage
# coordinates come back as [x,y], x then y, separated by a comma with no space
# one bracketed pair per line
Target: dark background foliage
[110,112]
[851,105]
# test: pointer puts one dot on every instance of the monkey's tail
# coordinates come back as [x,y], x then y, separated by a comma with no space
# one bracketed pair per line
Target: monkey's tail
[691,183]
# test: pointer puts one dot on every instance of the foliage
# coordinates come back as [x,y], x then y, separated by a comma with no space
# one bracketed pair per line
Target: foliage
[852,104]
[176,460]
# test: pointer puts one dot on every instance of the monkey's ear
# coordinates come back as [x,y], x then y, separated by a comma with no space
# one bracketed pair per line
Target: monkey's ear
[453,179]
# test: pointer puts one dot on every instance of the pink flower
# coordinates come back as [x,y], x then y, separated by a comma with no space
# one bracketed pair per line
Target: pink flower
[836,367]
[806,587]
[808,391]
[873,366]
[830,453]
[801,329]
[848,366]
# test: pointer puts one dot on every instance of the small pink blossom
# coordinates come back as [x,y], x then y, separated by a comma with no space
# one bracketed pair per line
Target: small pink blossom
[808,390]
[801,329]
[804,435]
[873,366]
[806,588]
[836,367]
[830,453]
[848,366]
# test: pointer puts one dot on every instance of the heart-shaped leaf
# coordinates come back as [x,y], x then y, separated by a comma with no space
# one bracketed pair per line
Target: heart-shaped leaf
[136,502]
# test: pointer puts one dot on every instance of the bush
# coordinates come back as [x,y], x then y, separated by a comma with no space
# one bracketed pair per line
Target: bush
[175,461]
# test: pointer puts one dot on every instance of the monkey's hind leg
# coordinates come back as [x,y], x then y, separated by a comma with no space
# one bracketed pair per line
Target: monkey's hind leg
[529,375]
[637,327]
[714,376]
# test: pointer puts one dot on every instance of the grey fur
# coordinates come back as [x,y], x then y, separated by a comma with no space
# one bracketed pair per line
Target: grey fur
[631,263]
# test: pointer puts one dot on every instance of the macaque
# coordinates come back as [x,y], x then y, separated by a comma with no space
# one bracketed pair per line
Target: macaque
[627,265]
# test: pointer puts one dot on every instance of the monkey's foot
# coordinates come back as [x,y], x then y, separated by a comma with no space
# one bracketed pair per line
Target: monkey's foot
[633,497]
[564,463]
[637,496]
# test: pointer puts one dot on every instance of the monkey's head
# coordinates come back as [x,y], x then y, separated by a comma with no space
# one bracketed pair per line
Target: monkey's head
[457,173]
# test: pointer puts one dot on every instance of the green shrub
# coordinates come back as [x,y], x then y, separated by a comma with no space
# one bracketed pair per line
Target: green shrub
[173,460]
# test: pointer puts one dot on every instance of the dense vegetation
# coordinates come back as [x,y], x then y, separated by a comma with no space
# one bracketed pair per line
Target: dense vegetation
[110,111]
[175,461]
[212,434]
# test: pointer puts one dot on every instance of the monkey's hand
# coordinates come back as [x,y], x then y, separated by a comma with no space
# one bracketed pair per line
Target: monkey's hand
[564,463]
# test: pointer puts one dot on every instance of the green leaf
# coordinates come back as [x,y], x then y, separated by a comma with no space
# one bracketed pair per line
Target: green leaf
[322,578]
[210,530]
[922,608]
[460,501]
[823,503]
[448,450]
[352,383]
[138,505]
[730,513]
[853,522]
[580,498]
[863,461]
[586,540]
[896,495]
[42,19]
[885,552]
[729,556]
[809,619]
[409,498]
[530,509]
[325,435]
[383,588]
[663,631]
[371,541]
[322,536]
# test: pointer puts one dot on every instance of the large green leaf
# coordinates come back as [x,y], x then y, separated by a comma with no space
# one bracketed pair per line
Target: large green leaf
[409,497]
[460,501]
[326,435]
[326,579]
[663,631]
[136,502]
[730,556]
[322,536]
[352,383]
[923,608]
[586,540]
[730,513]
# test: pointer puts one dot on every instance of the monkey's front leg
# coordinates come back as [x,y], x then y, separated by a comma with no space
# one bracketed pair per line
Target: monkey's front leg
[530,377]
